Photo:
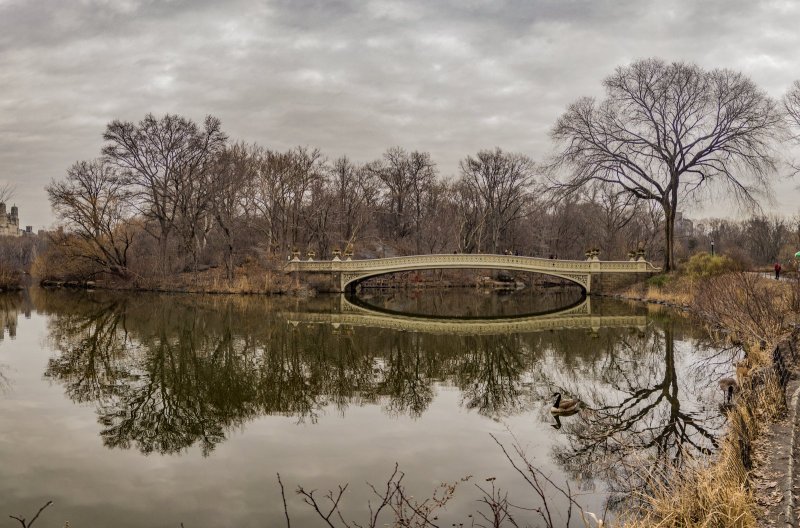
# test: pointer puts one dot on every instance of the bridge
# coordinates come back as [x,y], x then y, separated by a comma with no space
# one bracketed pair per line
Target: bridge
[574,317]
[348,273]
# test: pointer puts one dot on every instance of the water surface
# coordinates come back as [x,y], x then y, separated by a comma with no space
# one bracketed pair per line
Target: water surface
[152,410]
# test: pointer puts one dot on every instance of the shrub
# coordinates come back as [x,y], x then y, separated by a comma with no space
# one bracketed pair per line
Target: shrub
[704,265]
[659,281]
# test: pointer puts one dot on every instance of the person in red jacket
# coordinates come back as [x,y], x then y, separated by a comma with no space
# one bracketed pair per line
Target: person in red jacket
[777,271]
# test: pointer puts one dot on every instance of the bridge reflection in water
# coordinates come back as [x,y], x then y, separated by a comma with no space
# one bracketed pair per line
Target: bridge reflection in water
[354,313]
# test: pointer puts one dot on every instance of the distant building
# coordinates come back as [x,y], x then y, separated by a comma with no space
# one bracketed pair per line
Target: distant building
[9,222]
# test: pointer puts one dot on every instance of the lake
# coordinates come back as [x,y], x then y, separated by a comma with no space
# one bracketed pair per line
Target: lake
[134,410]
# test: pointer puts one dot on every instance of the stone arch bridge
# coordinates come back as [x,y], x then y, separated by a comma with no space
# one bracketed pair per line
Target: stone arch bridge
[347,274]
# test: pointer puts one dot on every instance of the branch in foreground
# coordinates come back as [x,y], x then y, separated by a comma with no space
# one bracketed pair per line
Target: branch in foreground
[393,497]
[28,524]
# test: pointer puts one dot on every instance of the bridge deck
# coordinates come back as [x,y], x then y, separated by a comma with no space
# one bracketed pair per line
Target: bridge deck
[479,261]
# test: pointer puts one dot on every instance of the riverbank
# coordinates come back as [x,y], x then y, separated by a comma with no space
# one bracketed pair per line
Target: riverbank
[747,483]
[255,280]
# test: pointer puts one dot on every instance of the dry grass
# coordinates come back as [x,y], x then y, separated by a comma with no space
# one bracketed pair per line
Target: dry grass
[10,280]
[249,279]
[716,492]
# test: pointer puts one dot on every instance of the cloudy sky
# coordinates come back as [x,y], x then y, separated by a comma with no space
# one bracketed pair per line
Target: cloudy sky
[348,76]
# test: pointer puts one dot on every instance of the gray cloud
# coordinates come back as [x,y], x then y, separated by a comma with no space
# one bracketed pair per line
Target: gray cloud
[347,76]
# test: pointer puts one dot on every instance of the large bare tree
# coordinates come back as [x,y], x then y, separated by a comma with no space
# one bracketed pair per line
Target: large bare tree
[356,192]
[501,181]
[407,178]
[163,160]
[665,131]
[92,202]
[230,181]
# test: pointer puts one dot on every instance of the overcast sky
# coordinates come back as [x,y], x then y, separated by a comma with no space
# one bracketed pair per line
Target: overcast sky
[346,76]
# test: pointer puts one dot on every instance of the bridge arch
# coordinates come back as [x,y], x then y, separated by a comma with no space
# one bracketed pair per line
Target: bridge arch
[352,303]
[351,280]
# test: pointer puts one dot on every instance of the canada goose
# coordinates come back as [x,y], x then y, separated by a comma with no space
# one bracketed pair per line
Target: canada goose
[564,407]
[728,386]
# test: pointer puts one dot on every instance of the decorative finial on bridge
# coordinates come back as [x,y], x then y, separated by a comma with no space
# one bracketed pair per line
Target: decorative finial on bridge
[336,254]
[295,254]
[592,254]
[348,252]
[311,254]
[637,255]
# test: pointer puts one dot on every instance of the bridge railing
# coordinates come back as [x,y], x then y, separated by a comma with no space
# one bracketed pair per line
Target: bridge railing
[474,261]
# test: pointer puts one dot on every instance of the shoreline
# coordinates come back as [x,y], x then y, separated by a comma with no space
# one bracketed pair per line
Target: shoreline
[774,439]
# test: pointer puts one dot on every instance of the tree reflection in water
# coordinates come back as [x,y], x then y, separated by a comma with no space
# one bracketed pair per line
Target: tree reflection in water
[11,305]
[169,372]
[642,414]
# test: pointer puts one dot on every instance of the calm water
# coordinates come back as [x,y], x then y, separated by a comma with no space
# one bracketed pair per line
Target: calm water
[151,410]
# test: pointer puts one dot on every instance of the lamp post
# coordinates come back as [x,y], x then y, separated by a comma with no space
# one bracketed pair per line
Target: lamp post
[712,248]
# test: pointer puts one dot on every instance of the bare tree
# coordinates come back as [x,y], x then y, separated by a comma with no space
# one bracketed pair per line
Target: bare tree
[7,192]
[162,159]
[281,192]
[665,132]
[194,193]
[502,181]
[231,178]
[407,178]
[791,103]
[471,217]
[617,209]
[355,192]
[422,177]
[764,238]
[93,202]
[266,199]
[319,216]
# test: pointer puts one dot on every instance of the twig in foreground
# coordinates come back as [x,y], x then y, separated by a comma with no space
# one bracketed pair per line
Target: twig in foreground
[26,524]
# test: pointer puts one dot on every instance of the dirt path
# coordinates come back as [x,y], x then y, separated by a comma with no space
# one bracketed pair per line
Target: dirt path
[776,478]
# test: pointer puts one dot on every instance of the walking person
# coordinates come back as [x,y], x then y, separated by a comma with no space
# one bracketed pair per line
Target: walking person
[777,271]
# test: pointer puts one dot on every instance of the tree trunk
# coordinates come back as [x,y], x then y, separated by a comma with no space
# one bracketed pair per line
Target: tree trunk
[669,237]
[163,250]
[229,262]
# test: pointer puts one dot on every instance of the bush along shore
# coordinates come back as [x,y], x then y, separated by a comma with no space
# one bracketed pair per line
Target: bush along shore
[274,281]
[746,482]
